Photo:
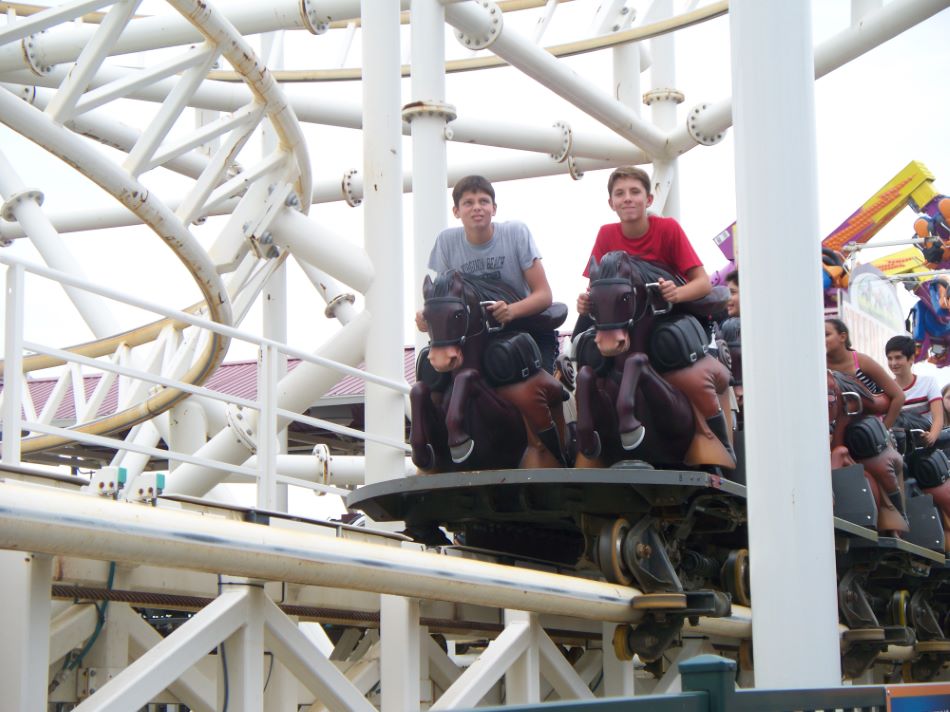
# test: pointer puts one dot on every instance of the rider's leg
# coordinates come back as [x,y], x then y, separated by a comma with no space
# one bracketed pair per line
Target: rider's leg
[720,429]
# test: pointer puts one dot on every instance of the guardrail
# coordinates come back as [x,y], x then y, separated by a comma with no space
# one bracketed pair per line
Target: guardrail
[271,415]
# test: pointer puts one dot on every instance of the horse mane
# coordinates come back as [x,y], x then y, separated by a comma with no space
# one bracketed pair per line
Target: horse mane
[612,264]
[487,289]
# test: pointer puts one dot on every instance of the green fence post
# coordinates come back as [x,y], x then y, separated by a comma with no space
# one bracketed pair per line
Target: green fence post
[713,675]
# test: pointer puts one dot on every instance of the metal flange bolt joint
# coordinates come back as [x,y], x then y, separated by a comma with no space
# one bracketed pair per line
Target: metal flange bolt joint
[29,46]
[692,125]
[484,40]
[567,142]
[330,311]
[657,95]
[8,209]
[429,107]
[349,194]
[312,20]
[241,427]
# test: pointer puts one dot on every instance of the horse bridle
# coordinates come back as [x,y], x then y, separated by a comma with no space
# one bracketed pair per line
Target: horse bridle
[652,291]
[467,310]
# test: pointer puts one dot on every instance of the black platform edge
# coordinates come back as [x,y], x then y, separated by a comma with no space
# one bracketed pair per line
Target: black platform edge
[571,476]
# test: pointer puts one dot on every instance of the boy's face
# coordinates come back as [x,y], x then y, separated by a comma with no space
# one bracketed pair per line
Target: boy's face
[898,363]
[732,306]
[629,199]
[475,210]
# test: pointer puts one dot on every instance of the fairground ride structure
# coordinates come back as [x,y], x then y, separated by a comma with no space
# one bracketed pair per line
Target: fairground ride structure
[168,109]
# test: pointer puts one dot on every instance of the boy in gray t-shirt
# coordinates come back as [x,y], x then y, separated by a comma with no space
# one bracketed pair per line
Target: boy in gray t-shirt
[504,250]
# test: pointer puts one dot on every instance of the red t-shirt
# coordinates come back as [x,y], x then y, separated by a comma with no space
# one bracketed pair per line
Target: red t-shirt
[663,242]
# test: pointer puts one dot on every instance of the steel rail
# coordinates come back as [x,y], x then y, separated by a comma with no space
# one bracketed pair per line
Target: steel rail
[41,519]
[567,49]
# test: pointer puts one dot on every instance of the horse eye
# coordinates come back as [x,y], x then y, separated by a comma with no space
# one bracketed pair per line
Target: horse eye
[458,315]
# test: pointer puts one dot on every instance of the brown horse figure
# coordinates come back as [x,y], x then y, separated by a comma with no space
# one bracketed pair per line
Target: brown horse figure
[624,405]
[465,423]
[850,403]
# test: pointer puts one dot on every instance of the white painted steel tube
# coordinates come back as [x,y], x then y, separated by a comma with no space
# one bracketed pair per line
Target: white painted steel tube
[383,235]
[791,536]
[52,521]
[876,28]
[428,143]
[28,213]
[544,68]
[311,241]
[64,42]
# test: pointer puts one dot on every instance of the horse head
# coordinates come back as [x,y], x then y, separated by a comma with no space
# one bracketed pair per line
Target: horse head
[623,291]
[457,318]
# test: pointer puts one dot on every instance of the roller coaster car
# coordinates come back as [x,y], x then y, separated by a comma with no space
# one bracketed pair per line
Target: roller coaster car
[890,591]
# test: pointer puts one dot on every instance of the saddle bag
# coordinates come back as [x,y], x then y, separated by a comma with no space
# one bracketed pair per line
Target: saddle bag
[866,438]
[586,353]
[428,375]
[932,470]
[677,343]
[510,358]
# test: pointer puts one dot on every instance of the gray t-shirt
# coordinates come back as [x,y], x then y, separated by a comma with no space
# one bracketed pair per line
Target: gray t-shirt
[506,256]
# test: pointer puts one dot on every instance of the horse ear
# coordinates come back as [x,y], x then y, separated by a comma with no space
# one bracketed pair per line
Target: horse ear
[427,287]
[593,269]
[457,282]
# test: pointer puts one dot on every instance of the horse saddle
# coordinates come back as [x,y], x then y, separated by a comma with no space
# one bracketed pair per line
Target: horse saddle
[548,320]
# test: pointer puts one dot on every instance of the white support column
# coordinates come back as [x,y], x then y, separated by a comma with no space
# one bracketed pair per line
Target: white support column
[618,674]
[399,636]
[275,329]
[25,622]
[13,364]
[791,539]
[382,170]
[429,167]
[244,653]
[523,678]
[663,99]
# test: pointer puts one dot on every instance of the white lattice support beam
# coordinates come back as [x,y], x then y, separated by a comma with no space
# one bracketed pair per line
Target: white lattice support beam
[400,640]
[141,681]
[70,628]
[523,677]
[25,622]
[96,50]
[308,664]
[442,670]
[473,684]
[192,687]
[556,669]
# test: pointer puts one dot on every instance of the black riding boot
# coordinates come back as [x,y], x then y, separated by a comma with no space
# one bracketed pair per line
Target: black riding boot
[720,429]
[550,439]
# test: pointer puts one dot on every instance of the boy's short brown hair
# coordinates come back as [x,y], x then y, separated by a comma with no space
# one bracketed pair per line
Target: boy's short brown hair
[472,184]
[629,172]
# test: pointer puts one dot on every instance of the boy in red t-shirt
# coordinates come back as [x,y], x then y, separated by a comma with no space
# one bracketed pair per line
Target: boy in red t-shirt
[651,237]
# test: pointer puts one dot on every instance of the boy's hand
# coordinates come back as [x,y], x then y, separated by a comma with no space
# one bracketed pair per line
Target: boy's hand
[421,322]
[930,438]
[583,303]
[668,290]
[501,312]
